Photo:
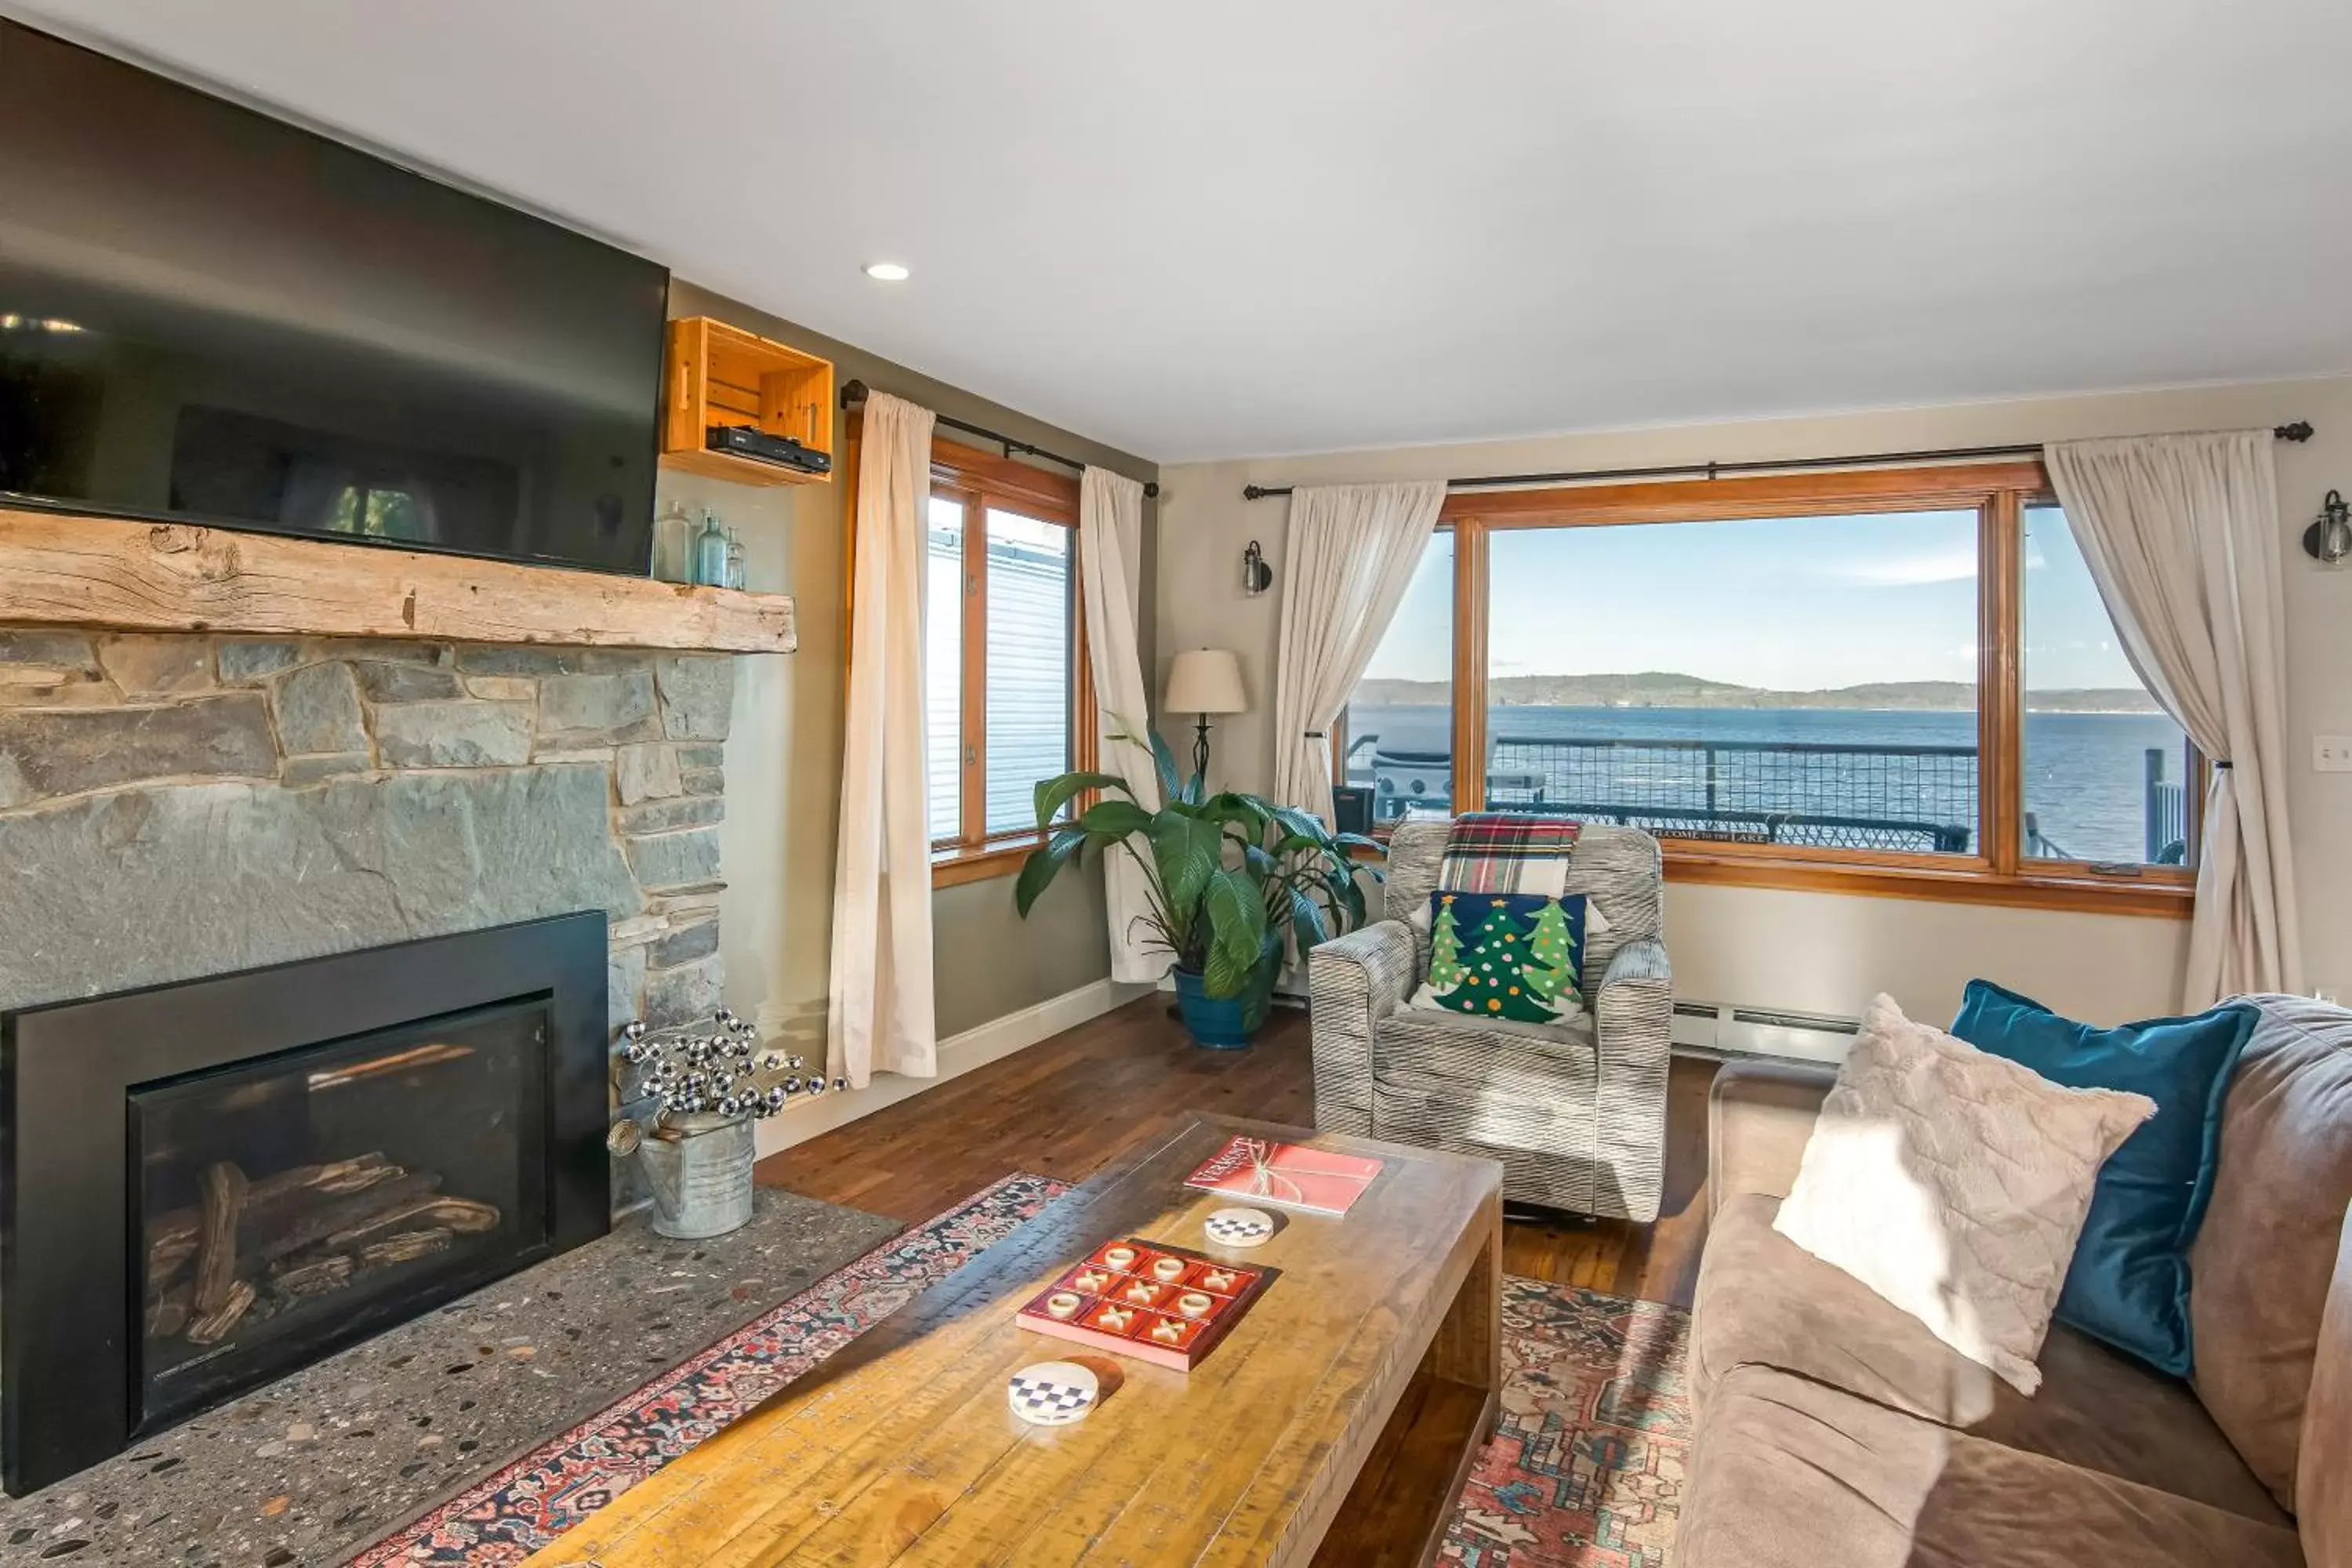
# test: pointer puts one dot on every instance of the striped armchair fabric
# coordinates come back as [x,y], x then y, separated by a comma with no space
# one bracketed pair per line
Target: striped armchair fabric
[1576,1113]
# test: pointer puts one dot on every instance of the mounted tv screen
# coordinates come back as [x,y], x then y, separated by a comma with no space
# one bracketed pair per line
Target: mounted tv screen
[209,316]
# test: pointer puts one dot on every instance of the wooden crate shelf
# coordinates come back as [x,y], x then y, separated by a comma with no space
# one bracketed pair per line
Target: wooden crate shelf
[716,376]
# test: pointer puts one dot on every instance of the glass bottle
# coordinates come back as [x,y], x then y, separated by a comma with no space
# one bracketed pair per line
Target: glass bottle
[674,544]
[710,553]
[736,575]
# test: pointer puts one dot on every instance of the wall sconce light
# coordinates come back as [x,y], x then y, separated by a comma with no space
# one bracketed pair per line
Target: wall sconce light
[1256,575]
[2329,537]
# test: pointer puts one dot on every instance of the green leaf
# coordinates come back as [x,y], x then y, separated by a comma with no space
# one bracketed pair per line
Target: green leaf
[1236,931]
[1190,851]
[1172,784]
[1358,841]
[1247,810]
[1351,900]
[1115,819]
[1307,919]
[1055,793]
[1304,824]
[1043,865]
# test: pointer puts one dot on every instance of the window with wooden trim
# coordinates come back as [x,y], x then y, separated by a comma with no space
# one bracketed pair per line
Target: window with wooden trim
[1007,698]
[1897,682]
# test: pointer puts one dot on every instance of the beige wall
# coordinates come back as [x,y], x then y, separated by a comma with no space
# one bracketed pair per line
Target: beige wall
[1827,953]
[783,756]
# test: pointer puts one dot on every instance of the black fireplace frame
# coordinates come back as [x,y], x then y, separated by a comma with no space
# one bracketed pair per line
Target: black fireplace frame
[68,1395]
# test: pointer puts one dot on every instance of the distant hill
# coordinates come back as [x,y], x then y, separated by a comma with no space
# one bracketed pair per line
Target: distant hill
[1660,688]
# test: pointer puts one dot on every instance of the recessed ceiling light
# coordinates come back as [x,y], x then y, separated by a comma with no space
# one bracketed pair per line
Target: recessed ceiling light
[885,272]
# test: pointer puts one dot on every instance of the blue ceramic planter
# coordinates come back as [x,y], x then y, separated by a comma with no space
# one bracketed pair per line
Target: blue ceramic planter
[1217,1023]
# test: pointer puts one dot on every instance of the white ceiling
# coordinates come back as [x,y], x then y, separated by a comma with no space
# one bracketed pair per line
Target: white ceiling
[1224,228]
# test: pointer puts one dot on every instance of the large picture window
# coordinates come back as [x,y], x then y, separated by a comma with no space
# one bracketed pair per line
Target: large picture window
[1899,681]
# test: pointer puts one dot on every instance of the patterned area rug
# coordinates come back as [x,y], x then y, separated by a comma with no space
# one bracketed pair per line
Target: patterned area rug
[515,1511]
[1586,1472]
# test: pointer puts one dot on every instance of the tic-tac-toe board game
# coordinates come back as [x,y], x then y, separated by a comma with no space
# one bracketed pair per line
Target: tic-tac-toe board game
[1147,1300]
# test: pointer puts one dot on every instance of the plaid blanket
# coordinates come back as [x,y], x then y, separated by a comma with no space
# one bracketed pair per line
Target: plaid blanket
[1507,852]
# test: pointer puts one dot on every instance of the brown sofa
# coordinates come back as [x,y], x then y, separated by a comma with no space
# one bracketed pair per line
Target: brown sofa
[1833,1431]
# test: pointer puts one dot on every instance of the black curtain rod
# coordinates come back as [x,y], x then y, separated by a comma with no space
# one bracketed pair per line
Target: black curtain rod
[2298,431]
[854,391]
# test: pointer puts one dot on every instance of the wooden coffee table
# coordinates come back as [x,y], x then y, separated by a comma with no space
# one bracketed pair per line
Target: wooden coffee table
[1334,1426]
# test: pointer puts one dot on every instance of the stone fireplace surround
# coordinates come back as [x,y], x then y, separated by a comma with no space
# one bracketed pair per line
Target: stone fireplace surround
[178,805]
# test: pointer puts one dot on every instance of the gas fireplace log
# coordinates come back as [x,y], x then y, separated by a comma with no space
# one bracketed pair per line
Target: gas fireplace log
[168,1314]
[345,1176]
[259,1247]
[466,1216]
[171,1237]
[323,1220]
[314,1278]
[454,1213]
[210,1328]
[407,1245]
[225,1187]
[168,1256]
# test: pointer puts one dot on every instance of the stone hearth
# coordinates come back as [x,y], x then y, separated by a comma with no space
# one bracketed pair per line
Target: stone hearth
[173,807]
[308,1470]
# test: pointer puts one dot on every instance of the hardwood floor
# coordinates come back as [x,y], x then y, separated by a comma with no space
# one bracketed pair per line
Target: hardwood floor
[1068,1106]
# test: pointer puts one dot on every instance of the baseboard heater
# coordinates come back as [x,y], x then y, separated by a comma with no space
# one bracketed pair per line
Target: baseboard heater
[1727,1032]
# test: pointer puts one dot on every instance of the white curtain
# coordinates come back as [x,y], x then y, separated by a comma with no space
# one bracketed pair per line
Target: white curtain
[1110,556]
[1351,555]
[2181,534]
[880,1015]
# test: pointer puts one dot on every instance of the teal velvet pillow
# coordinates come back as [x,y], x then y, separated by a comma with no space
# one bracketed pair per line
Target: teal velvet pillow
[2129,1281]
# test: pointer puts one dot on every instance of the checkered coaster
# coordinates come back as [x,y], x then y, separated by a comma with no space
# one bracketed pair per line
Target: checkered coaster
[1220,1229]
[1045,1397]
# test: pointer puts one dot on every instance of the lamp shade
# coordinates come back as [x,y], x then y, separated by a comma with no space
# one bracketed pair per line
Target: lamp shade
[1206,680]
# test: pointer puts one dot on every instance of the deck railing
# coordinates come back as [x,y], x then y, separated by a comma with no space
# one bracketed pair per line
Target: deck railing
[1829,794]
[1841,795]
[2166,814]
[1835,794]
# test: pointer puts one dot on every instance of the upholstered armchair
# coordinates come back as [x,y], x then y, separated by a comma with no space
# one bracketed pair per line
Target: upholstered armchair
[1576,1113]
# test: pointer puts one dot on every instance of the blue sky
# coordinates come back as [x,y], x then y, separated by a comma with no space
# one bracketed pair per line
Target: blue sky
[1795,603]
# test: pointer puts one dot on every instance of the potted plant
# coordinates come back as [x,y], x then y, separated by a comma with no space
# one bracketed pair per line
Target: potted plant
[1228,878]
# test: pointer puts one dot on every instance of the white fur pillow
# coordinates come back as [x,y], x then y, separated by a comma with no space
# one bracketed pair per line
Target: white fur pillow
[1954,1183]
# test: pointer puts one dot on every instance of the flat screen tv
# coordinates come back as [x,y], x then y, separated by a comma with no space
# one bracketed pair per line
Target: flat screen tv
[210,316]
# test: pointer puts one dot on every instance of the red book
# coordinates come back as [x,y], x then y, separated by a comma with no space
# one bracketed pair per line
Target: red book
[1291,1175]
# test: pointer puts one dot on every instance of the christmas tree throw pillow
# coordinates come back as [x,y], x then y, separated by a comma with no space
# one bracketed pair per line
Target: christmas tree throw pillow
[1507,955]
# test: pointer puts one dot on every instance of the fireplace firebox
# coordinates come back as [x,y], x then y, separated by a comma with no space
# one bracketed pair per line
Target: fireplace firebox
[212,1183]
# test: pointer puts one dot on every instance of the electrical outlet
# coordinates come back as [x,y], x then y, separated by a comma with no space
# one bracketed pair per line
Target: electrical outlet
[2331,754]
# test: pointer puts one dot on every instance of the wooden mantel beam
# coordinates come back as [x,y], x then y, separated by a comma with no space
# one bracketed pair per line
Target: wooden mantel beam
[57,570]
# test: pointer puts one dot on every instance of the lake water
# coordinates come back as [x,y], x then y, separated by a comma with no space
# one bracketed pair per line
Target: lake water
[2084,772]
